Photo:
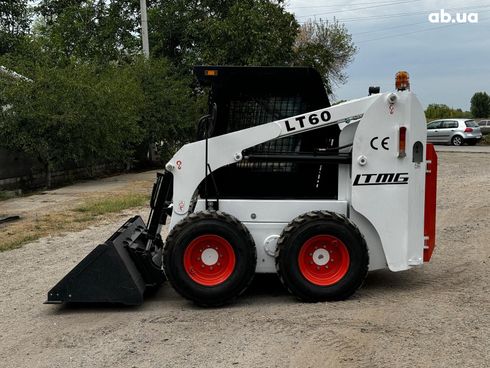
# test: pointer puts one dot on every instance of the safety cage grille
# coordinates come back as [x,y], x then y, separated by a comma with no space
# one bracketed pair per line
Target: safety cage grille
[245,112]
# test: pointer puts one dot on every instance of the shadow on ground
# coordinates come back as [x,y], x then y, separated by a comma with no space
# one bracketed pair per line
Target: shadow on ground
[264,288]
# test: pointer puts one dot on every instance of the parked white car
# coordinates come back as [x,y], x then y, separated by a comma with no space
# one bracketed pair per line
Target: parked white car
[484,126]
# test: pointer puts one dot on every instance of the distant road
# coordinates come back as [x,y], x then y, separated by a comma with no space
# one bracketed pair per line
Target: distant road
[465,149]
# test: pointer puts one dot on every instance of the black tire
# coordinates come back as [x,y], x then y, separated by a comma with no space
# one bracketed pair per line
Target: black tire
[322,225]
[212,225]
[457,140]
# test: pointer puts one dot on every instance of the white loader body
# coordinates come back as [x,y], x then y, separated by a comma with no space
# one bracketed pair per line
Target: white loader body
[381,191]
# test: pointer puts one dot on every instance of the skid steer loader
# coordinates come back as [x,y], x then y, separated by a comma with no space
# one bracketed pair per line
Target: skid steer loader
[278,181]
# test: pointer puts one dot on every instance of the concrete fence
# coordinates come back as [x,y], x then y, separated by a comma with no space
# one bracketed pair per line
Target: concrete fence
[19,171]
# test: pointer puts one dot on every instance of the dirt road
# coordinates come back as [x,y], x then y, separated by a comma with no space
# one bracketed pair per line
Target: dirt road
[435,316]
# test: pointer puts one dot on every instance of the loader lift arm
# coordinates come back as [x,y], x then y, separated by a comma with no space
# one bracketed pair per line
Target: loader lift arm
[228,148]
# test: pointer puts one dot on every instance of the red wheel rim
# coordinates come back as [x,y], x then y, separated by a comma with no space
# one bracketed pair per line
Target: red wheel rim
[323,260]
[209,260]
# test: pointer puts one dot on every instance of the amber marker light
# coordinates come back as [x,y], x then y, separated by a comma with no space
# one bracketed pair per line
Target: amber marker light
[402,81]
[211,73]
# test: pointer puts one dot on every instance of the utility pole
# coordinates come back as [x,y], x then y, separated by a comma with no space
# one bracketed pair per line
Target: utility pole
[144,29]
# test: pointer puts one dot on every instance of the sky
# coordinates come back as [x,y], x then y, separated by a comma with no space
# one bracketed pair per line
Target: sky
[447,62]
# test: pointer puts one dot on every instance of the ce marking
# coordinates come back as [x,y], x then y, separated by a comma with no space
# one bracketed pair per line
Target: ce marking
[384,143]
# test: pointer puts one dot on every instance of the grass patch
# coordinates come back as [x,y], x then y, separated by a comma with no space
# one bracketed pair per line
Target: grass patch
[485,140]
[7,194]
[97,207]
[13,242]
[14,235]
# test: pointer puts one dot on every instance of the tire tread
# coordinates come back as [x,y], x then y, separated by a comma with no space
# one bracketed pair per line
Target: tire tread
[188,221]
[291,228]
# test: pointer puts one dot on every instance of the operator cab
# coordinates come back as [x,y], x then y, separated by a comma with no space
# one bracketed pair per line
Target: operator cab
[243,97]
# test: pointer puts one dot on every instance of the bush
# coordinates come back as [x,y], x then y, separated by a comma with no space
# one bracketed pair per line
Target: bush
[73,115]
[169,109]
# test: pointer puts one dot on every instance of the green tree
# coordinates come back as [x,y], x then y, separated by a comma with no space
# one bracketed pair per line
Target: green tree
[437,111]
[239,32]
[440,111]
[90,30]
[14,24]
[252,33]
[169,110]
[480,105]
[326,46]
[73,115]
[94,99]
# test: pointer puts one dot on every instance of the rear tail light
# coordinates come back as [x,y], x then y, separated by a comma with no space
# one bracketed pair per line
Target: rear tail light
[468,130]
[402,138]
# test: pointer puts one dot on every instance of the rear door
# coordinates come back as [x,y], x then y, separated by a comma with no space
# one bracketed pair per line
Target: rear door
[447,130]
[433,131]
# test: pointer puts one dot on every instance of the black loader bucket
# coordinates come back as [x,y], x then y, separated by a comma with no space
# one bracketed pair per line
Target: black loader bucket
[123,268]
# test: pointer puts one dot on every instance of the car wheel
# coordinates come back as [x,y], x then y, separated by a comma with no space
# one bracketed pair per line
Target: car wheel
[457,140]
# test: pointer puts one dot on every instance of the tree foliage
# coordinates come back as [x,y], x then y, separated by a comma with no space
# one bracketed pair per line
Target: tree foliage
[169,108]
[14,24]
[441,111]
[480,105]
[252,33]
[326,46]
[93,98]
[93,30]
[246,32]
[234,32]
[73,116]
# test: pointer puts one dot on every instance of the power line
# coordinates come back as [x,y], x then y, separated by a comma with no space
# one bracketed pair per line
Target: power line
[362,8]
[407,14]
[385,28]
[337,4]
[342,4]
[408,33]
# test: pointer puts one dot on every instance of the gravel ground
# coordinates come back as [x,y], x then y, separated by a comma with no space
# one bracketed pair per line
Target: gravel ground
[434,316]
